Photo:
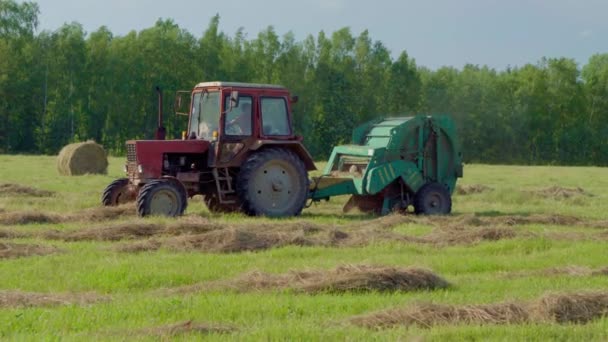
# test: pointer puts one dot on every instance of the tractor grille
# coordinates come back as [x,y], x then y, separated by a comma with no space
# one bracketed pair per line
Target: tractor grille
[132,171]
[131,156]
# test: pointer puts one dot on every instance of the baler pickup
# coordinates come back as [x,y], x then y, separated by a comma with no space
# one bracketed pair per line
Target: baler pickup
[394,163]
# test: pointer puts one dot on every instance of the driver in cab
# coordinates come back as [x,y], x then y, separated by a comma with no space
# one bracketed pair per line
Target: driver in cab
[238,121]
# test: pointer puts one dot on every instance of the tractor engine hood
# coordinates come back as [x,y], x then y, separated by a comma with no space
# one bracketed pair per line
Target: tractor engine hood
[145,157]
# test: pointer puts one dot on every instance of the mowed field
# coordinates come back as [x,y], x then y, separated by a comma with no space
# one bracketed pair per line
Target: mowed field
[523,257]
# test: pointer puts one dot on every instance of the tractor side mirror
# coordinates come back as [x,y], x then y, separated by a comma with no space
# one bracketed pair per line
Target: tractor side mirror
[294,99]
[234,99]
[179,104]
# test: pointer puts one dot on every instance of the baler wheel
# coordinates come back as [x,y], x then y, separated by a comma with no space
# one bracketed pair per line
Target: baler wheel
[213,204]
[433,199]
[273,182]
[162,198]
[118,192]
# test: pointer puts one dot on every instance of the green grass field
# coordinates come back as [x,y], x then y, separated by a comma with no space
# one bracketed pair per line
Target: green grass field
[132,284]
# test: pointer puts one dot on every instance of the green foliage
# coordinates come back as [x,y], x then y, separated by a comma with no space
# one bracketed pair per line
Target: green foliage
[66,83]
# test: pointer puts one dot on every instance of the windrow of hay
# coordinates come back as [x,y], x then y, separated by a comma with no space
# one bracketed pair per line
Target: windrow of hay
[188,327]
[241,238]
[472,220]
[389,221]
[472,189]
[572,270]
[13,234]
[11,189]
[427,315]
[19,250]
[346,278]
[571,308]
[82,158]
[16,299]
[87,215]
[450,237]
[233,238]
[29,217]
[98,214]
[187,225]
[221,241]
[559,193]
[136,229]
[558,308]
[507,220]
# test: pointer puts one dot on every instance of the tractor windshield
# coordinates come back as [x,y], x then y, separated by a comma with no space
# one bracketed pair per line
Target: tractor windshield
[205,117]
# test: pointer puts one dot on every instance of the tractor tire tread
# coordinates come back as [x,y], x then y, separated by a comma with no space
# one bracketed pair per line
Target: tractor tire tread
[108,193]
[255,161]
[143,208]
[427,189]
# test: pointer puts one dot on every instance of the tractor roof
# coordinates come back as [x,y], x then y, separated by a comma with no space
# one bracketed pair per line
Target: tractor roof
[238,85]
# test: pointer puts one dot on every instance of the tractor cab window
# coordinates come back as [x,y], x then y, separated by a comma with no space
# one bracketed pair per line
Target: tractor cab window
[238,120]
[275,120]
[205,118]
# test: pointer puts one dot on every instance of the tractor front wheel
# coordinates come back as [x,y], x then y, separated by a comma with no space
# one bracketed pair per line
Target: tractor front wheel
[433,199]
[273,182]
[162,198]
[118,192]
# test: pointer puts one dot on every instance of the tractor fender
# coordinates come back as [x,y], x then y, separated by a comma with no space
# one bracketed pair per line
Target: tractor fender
[381,176]
[295,146]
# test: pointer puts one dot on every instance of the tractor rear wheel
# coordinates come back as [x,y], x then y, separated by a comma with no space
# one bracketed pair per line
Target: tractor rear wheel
[433,199]
[273,182]
[213,204]
[162,198]
[118,192]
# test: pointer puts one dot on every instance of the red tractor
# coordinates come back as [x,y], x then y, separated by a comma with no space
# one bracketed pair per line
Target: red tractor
[239,152]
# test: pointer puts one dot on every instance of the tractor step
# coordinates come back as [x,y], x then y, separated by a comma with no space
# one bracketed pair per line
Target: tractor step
[223,183]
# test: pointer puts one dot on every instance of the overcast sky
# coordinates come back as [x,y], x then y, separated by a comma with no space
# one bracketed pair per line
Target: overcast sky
[497,33]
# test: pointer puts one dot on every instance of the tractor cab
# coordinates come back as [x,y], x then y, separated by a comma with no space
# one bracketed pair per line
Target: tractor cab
[239,117]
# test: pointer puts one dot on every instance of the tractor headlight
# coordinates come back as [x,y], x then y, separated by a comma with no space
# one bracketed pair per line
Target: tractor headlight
[140,169]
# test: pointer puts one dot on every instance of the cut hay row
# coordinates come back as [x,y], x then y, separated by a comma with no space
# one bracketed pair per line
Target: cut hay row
[558,308]
[188,327]
[97,214]
[82,158]
[572,271]
[17,299]
[571,308]
[427,315]
[345,278]
[135,230]
[19,250]
[13,234]
[227,240]
[553,192]
[388,222]
[472,189]
[559,193]
[243,239]
[11,189]
[29,217]
[348,278]
[452,237]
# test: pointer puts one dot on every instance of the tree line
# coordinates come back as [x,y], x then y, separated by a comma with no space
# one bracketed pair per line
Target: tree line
[66,85]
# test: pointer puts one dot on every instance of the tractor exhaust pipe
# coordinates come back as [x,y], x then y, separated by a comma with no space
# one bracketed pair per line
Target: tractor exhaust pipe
[160,129]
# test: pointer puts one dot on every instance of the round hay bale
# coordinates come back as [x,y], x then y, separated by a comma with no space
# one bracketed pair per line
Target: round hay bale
[82,158]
